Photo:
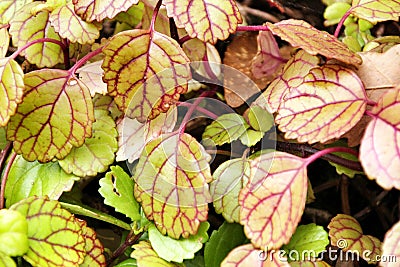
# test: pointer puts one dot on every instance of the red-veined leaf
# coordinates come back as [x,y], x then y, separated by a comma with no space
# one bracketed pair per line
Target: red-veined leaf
[9,7]
[98,10]
[94,249]
[56,114]
[380,146]
[391,246]
[171,183]
[146,256]
[4,41]
[292,76]
[329,102]
[273,201]
[92,75]
[208,20]
[376,10]
[301,34]
[138,60]
[26,27]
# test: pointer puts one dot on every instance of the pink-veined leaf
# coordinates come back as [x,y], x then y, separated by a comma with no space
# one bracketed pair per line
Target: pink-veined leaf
[391,246]
[94,249]
[9,7]
[92,75]
[11,88]
[26,27]
[69,25]
[274,199]
[380,146]
[268,58]
[208,20]
[4,41]
[376,10]
[329,102]
[90,10]
[247,255]
[146,256]
[292,76]
[171,183]
[56,114]
[346,233]
[301,34]
[145,72]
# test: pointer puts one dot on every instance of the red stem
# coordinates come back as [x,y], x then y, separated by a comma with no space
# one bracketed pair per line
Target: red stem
[41,40]
[329,151]
[340,24]
[4,26]
[83,60]
[155,13]
[200,109]
[253,28]
[5,177]
[184,39]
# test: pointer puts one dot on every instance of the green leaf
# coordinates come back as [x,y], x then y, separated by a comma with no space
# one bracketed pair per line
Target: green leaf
[26,27]
[133,16]
[222,241]
[127,263]
[251,137]
[9,7]
[34,179]
[226,129]
[98,151]
[94,249]
[6,261]
[147,257]
[3,139]
[376,11]
[55,238]
[13,233]
[117,189]
[339,168]
[308,240]
[260,119]
[56,114]
[11,88]
[183,248]
[198,261]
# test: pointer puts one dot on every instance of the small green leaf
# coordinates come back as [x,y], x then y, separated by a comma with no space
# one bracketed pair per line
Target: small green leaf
[127,263]
[6,261]
[117,189]
[132,16]
[251,137]
[147,257]
[260,119]
[3,139]
[222,241]
[55,238]
[183,248]
[339,168]
[32,178]
[309,238]
[13,233]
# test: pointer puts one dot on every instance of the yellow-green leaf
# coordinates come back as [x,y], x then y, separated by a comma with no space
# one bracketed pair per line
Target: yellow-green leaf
[391,247]
[11,88]
[8,8]
[380,146]
[146,257]
[301,34]
[94,249]
[56,114]
[69,25]
[208,20]
[91,10]
[376,10]
[329,102]
[4,41]
[138,60]
[26,27]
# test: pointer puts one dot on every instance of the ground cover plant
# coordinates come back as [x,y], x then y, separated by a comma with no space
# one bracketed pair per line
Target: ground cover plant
[199,133]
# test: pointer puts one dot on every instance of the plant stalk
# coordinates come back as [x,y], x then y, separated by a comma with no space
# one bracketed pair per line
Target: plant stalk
[41,40]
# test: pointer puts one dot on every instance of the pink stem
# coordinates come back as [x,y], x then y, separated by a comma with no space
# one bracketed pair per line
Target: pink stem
[253,28]
[155,13]
[340,24]
[200,109]
[41,40]
[329,151]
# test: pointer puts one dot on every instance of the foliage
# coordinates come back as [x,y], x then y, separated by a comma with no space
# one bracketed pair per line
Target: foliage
[171,138]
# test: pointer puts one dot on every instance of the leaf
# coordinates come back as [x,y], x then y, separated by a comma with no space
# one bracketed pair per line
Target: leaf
[93,247]
[6,261]
[55,115]
[8,8]
[132,16]
[379,150]
[171,183]
[207,20]
[292,76]
[4,41]
[3,140]
[222,241]
[92,75]
[340,169]
[26,27]
[198,261]
[90,10]
[11,88]
[34,179]
[137,60]
[391,246]
[247,255]
[13,233]
[329,102]
[183,248]
[55,238]
[251,137]
[301,34]
[346,233]
[70,26]
[376,10]
[273,201]
[260,119]
[226,129]
[98,151]
[146,256]
[229,179]
[117,190]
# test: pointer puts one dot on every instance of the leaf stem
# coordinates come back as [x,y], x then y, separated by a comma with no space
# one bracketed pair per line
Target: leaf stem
[184,39]
[129,241]
[253,28]
[5,177]
[340,24]
[66,54]
[330,150]
[154,17]
[4,26]
[83,60]
[206,112]
[41,40]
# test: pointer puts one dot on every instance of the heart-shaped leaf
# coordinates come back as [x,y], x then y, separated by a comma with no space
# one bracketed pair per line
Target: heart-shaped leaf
[69,25]
[94,249]
[301,34]
[273,201]
[92,75]
[4,41]
[56,114]
[26,27]
[11,88]
[9,7]
[376,10]
[91,10]
[138,60]
[171,183]
[55,238]
[145,256]
[391,246]
[329,102]
[207,20]
[380,146]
